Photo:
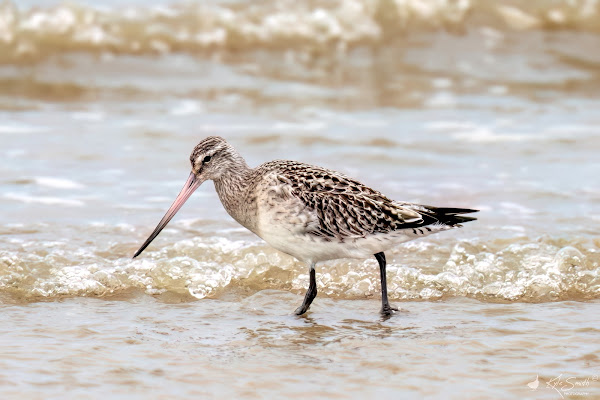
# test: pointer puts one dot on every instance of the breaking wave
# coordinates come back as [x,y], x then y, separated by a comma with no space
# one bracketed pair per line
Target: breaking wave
[502,270]
[313,28]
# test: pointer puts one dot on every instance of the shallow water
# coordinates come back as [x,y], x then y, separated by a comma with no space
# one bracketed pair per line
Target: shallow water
[254,348]
[488,105]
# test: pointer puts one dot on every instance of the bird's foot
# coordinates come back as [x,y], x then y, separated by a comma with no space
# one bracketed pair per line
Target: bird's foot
[301,310]
[388,311]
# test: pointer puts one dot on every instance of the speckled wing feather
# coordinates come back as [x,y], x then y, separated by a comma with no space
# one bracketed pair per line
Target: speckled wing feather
[345,208]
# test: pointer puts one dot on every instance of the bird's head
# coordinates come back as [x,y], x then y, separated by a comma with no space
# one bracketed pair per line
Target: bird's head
[211,159]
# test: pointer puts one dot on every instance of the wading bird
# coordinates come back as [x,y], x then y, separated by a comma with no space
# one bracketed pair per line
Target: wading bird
[311,213]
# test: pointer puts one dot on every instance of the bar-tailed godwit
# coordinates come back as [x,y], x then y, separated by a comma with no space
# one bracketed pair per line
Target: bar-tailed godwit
[311,213]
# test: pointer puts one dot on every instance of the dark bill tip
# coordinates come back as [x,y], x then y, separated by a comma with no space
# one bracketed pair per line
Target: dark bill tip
[190,186]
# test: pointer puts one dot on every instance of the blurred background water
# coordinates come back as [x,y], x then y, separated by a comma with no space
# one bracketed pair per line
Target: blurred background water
[484,104]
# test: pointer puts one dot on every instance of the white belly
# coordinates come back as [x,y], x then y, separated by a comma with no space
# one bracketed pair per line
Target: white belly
[310,248]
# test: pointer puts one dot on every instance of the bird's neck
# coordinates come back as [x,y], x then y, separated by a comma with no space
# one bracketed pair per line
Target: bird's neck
[233,188]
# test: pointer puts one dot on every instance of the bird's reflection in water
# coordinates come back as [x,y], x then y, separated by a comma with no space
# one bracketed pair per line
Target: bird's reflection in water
[311,331]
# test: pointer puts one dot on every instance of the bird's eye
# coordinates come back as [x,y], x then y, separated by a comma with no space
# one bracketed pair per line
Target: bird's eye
[206,159]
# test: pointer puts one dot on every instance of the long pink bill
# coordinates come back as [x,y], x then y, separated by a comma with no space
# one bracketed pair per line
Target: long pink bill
[190,185]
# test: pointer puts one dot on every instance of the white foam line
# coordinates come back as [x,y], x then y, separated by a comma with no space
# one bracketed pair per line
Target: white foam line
[57,183]
[20,129]
[485,135]
[43,200]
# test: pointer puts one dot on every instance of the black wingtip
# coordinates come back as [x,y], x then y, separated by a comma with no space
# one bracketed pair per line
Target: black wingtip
[460,219]
[451,216]
[452,210]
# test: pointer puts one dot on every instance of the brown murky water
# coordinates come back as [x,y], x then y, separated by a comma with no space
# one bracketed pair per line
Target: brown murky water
[252,347]
[484,104]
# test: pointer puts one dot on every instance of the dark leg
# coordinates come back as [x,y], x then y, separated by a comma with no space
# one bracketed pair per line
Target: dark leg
[386,309]
[311,293]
